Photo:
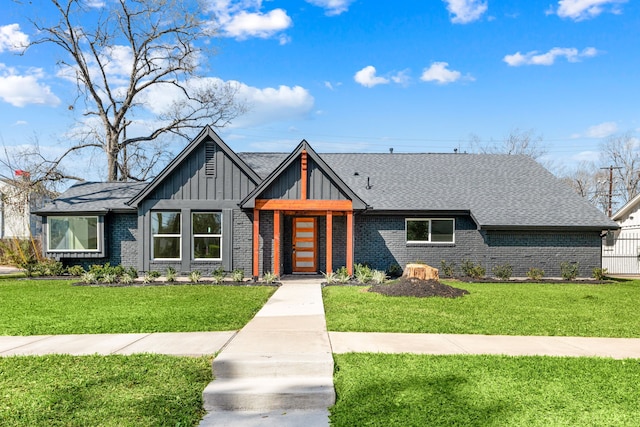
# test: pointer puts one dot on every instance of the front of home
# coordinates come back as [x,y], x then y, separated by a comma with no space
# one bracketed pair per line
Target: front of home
[304,212]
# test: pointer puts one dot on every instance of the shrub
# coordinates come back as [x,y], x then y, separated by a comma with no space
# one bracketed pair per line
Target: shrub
[362,273]
[330,277]
[378,276]
[470,269]
[132,271]
[394,270]
[195,276]
[154,274]
[109,278]
[75,270]
[568,270]
[343,275]
[88,278]
[237,275]
[147,278]
[503,271]
[600,273]
[269,277]
[217,275]
[126,279]
[535,273]
[171,274]
[447,269]
[48,267]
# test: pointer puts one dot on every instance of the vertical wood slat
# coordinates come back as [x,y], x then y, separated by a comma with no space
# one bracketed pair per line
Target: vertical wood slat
[256,242]
[350,242]
[329,239]
[276,243]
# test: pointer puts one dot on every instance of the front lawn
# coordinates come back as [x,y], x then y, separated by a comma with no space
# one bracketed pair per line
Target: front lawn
[422,390]
[138,390]
[609,310]
[42,307]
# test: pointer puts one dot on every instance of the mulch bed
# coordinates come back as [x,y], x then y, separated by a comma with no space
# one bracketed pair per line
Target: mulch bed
[467,279]
[418,288]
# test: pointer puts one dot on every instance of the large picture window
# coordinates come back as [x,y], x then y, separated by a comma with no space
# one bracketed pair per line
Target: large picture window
[165,228]
[207,235]
[421,230]
[72,233]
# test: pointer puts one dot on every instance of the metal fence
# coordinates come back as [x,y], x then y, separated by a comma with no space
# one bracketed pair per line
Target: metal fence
[621,254]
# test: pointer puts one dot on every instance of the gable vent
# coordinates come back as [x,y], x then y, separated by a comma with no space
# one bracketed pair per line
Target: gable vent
[210,159]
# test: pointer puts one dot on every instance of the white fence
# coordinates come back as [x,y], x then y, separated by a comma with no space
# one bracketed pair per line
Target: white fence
[621,254]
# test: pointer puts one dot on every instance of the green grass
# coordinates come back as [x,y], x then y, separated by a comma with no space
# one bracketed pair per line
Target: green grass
[139,390]
[609,310]
[37,307]
[412,390]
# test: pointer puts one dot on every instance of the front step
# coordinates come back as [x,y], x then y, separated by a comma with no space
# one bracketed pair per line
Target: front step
[276,366]
[269,393]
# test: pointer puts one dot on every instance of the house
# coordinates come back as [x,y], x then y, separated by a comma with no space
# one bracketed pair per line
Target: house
[305,212]
[17,203]
[621,248]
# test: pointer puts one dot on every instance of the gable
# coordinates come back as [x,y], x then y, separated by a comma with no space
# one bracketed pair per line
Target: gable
[207,169]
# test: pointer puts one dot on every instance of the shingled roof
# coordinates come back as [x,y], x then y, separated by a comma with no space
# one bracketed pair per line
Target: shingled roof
[499,191]
[94,197]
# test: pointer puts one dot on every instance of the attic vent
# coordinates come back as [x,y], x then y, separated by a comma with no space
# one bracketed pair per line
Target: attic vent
[210,159]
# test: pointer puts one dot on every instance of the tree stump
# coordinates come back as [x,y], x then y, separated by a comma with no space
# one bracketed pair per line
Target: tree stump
[421,271]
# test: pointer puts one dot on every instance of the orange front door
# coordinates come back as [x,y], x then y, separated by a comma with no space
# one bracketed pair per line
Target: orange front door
[304,245]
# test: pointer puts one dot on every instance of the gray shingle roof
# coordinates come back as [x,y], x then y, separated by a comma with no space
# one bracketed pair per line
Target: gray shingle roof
[95,197]
[498,190]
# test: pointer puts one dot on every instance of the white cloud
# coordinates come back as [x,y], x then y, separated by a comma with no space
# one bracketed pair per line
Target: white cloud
[367,77]
[21,123]
[243,19]
[579,10]
[21,90]
[465,11]
[439,73]
[602,130]
[333,7]
[402,78]
[12,39]
[535,58]
[96,4]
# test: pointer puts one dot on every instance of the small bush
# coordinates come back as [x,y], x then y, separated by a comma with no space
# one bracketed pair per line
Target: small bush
[195,276]
[394,270]
[75,270]
[217,275]
[132,271]
[237,275]
[343,275]
[470,269]
[362,273]
[378,277]
[146,279]
[269,277]
[535,273]
[447,269]
[88,278]
[568,270]
[503,271]
[600,273]
[154,274]
[330,277]
[171,274]
[126,279]
[109,278]
[48,267]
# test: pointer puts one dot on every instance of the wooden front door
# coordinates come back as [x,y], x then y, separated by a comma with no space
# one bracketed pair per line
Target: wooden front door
[304,245]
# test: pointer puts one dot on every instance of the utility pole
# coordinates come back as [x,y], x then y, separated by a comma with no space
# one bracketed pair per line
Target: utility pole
[610,195]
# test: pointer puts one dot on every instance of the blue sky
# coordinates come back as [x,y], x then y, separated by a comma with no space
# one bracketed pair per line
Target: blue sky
[358,75]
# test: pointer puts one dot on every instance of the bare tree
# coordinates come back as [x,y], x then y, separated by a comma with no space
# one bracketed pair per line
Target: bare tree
[622,152]
[591,183]
[156,47]
[518,141]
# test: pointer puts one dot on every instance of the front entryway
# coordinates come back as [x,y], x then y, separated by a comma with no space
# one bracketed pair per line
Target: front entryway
[305,245]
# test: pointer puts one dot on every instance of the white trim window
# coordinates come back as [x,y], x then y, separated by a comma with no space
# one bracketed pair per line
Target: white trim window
[166,237]
[206,230]
[72,234]
[430,230]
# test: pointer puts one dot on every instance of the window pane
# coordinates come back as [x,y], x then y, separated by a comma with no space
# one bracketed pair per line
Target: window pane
[418,231]
[166,247]
[206,247]
[206,223]
[442,230]
[165,222]
[73,233]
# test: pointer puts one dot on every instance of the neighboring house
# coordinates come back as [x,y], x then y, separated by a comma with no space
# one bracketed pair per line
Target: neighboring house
[16,207]
[304,212]
[621,248]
